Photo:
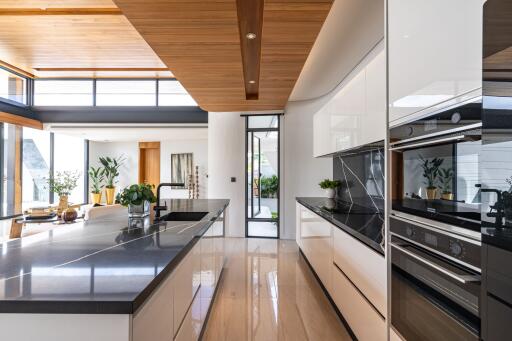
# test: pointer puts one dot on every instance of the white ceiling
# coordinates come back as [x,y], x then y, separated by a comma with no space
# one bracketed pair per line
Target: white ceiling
[352,29]
[126,133]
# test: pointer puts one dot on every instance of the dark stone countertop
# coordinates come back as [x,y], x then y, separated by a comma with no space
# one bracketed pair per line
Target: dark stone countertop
[368,228]
[101,266]
[499,237]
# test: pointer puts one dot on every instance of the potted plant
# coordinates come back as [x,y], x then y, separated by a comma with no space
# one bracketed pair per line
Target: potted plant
[62,184]
[138,199]
[97,175]
[430,173]
[446,176]
[330,187]
[111,168]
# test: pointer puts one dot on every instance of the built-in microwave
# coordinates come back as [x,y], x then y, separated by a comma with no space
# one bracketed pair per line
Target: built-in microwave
[435,168]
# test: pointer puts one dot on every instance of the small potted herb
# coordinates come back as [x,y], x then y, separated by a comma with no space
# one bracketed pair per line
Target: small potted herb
[330,187]
[430,173]
[62,184]
[97,175]
[137,198]
[446,177]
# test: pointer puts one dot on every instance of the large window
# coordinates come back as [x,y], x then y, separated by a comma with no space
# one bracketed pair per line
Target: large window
[69,154]
[172,93]
[63,92]
[13,87]
[36,168]
[126,93]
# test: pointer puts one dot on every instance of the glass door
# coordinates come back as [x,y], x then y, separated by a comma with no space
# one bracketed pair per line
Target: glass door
[262,176]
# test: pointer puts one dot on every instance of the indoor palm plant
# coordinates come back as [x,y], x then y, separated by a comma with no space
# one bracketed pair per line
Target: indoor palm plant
[330,187]
[137,198]
[96,175]
[430,173]
[446,176]
[111,170]
[62,184]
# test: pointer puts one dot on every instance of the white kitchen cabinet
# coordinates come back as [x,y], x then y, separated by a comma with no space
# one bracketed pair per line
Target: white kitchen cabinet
[363,319]
[393,335]
[356,113]
[316,240]
[365,268]
[435,53]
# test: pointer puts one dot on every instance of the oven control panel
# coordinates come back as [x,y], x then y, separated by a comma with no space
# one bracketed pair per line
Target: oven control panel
[437,241]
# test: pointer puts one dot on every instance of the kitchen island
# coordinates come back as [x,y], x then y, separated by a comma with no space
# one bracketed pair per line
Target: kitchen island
[114,278]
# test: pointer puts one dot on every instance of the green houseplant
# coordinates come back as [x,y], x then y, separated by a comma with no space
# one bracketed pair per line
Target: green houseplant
[62,184]
[446,177]
[330,187]
[137,198]
[430,173]
[111,170]
[97,176]
[269,186]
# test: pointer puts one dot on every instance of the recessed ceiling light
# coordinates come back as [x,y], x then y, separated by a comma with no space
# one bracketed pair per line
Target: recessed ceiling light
[252,82]
[250,35]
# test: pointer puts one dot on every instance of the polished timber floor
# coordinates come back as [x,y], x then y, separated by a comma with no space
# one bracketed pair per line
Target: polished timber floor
[269,293]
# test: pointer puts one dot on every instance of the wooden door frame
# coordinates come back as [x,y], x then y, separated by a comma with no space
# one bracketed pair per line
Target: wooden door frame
[143,146]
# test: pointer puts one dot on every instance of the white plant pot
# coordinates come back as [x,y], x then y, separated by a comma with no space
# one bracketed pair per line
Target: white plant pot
[330,193]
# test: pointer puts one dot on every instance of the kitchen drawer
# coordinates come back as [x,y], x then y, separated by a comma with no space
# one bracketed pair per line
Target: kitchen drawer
[154,320]
[499,321]
[365,268]
[187,279]
[498,273]
[192,323]
[363,319]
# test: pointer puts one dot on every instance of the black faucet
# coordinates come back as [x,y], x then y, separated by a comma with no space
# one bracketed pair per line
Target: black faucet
[157,207]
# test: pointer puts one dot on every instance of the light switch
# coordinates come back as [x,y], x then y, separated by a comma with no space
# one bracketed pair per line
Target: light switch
[233,179]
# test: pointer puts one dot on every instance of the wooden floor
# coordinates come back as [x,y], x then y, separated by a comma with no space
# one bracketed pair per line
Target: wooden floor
[269,293]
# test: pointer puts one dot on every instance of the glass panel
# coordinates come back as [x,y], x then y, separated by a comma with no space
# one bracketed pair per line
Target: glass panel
[8,167]
[126,93]
[36,168]
[262,229]
[173,93]
[12,87]
[263,121]
[69,156]
[63,92]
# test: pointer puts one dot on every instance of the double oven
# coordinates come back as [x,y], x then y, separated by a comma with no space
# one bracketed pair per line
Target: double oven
[435,223]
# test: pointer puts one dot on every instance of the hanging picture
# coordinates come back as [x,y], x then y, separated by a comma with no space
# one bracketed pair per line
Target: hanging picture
[181,168]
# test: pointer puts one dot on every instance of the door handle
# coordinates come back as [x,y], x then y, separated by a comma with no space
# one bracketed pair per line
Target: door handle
[465,279]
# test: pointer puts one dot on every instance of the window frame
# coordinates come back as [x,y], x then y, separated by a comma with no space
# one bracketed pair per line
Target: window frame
[27,88]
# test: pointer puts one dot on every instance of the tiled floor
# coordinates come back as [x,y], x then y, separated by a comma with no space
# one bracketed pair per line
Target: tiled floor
[269,293]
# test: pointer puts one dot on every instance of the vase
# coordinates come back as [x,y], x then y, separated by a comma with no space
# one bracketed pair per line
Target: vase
[109,194]
[431,193]
[69,215]
[63,204]
[137,211]
[330,193]
[447,196]
[96,198]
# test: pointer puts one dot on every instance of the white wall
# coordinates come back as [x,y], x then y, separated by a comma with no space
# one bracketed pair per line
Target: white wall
[129,173]
[301,172]
[226,148]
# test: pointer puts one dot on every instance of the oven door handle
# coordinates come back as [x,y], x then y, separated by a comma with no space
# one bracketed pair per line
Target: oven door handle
[465,279]
[432,142]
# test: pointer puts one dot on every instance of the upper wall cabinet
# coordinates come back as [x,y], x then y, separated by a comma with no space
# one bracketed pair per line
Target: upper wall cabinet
[356,113]
[434,54]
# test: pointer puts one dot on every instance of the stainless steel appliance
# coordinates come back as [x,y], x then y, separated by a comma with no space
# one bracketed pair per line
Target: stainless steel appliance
[435,282]
[435,165]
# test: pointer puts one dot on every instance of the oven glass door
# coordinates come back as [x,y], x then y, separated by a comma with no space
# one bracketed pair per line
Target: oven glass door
[439,182]
[428,304]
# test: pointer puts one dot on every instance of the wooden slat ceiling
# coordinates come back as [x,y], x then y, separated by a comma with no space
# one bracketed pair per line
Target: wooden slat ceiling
[78,38]
[199,41]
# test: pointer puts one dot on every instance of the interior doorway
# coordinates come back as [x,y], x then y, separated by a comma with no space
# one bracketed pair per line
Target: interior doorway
[149,163]
[262,176]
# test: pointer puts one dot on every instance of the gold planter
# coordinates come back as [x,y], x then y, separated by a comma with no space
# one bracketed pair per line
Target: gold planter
[96,198]
[109,194]
[431,193]
[447,196]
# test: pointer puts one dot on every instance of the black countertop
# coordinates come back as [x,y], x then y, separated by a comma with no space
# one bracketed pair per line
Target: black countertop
[499,237]
[101,266]
[365,226]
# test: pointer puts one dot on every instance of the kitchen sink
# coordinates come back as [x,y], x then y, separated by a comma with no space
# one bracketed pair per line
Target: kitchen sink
[184,216]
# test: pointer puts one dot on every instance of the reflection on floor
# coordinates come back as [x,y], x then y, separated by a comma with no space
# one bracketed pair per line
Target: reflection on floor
[269,293]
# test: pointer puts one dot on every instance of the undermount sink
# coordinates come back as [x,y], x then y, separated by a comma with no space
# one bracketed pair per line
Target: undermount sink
[184,216]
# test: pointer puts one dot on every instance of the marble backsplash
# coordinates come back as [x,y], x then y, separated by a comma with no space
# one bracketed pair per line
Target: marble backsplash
[362,176]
